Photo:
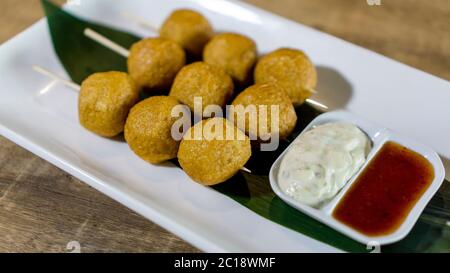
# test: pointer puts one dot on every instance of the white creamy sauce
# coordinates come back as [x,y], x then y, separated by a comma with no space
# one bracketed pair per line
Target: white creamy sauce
[321,161]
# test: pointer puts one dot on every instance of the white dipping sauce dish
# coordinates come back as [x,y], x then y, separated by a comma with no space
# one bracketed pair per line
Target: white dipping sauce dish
[378,135]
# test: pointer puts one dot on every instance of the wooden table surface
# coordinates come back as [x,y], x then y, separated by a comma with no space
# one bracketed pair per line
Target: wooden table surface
[42,208]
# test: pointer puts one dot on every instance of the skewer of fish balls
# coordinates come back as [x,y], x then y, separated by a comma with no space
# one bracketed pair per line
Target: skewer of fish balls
[152,63]
[147,125]
[236,54]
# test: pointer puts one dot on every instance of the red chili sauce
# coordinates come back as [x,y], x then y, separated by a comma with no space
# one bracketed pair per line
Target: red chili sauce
[386,191]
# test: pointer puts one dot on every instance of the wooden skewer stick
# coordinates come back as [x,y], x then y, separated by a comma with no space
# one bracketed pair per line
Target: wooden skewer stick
[106,42]
[316,103]
[140,21]
[76,87]
[55,77]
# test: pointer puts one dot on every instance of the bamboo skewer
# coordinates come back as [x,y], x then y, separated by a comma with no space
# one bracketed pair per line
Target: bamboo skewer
[77,87]
[316,103]
[55,77]
[106,42]
[140,21]
[246,170]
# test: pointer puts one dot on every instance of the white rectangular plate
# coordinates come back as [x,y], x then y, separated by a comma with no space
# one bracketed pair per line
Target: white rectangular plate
[43,118]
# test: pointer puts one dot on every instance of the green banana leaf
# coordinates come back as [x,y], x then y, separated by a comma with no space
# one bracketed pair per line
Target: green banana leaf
[81,57]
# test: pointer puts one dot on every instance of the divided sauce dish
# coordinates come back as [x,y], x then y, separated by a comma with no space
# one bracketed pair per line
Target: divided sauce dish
[379,136]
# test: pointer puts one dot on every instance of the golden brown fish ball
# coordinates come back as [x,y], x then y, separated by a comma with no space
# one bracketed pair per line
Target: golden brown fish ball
[261,127]
[104,102]
[202,80]
[208,156]
[188,28]
[234,53]
[154,62]
[291,69]
[148,129]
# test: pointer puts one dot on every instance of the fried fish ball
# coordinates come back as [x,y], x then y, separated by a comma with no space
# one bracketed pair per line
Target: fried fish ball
[188,28]
[266,94]
[208,156]
[148,129]
[104,102]
[291,69]
[202,80]
[154,62]
[234,53]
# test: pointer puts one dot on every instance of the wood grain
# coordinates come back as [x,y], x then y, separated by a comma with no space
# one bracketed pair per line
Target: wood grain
[414,32]
[42,208]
